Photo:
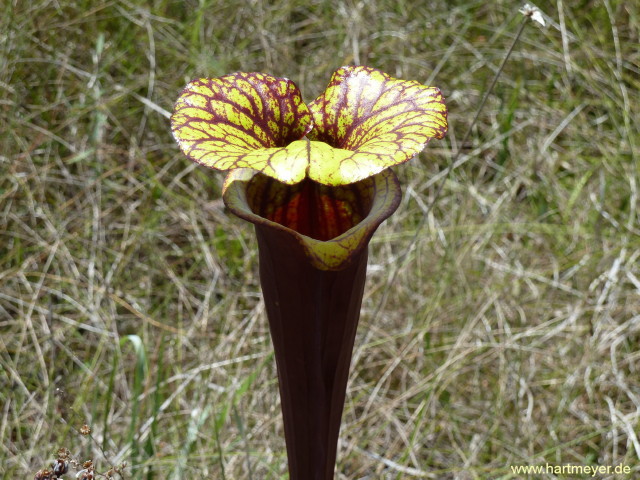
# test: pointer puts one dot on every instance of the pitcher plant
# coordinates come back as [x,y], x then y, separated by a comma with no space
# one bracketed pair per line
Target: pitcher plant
[315,182]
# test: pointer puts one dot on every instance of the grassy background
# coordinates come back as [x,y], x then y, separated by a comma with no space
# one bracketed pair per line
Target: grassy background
[508,335]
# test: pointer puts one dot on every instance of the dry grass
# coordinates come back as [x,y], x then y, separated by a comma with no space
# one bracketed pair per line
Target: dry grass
[510,334]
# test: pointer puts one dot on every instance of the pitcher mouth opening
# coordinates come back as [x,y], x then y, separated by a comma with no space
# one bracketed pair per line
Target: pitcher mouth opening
[309,208]
[331,224]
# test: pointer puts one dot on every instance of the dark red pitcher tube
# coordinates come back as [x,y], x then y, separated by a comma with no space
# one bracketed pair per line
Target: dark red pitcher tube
[313,316]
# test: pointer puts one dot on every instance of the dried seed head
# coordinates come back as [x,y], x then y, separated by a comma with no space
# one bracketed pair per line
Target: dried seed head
[63,454]
[85,430]
[44,475]
[534,13]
